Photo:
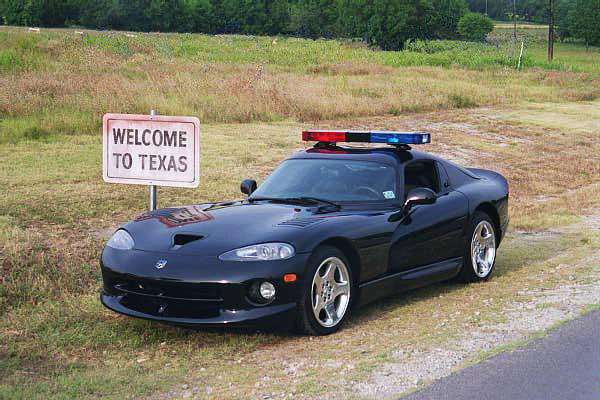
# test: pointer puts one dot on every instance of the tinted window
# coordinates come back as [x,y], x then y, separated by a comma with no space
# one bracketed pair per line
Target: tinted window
[336,180]
[420,174]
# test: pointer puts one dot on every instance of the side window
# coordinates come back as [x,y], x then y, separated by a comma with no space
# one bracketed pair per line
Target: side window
[420,174]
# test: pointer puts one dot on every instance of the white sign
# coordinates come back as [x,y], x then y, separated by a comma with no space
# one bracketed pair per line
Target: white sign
[151,150]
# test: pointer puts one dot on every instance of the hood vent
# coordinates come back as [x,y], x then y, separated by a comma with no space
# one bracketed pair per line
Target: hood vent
[299,222]
[183,238]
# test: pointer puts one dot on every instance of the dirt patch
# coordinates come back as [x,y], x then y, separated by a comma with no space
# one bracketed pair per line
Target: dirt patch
[591,219]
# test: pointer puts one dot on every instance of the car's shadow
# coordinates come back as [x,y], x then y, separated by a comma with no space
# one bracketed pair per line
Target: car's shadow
[516,253]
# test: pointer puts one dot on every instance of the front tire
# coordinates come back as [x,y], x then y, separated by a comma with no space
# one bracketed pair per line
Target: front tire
[327,292]
[480,251]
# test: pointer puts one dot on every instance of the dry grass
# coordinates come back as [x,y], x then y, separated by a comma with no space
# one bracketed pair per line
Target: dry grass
[59,340]
[56,341]
[81,79]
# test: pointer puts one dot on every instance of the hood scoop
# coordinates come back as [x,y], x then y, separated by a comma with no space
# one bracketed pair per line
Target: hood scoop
[181,239]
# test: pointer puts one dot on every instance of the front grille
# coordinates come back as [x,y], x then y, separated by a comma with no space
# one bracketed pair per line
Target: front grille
[169,290]
[170,298]
[167,299]
[169,308]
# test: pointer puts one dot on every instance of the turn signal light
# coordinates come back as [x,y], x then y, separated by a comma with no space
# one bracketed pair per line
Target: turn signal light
[290,278]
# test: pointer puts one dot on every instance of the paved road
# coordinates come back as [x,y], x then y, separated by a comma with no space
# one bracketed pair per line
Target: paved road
[563,365]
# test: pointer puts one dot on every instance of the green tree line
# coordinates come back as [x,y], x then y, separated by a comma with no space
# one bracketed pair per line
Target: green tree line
[386,23]
[579,19]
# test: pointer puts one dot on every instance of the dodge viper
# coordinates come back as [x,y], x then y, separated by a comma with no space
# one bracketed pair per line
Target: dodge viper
[333,227]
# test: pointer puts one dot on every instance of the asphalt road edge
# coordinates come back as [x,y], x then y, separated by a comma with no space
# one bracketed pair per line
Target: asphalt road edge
[505,347]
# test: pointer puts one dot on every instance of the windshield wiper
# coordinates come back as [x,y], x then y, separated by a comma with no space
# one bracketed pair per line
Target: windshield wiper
[296,200]
[315,200]
[259,198]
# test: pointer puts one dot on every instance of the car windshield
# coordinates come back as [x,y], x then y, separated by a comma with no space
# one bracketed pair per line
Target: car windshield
[333,180]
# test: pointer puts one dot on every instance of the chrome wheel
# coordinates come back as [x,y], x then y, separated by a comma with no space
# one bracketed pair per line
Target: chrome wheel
[483,249]
[330,292]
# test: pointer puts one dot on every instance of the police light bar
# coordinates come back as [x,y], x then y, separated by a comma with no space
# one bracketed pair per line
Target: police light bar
[388,137]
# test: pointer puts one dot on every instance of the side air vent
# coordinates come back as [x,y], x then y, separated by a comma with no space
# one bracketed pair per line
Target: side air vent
[182,239]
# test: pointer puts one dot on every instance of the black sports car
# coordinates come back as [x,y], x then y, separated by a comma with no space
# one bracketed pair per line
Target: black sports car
[332,227]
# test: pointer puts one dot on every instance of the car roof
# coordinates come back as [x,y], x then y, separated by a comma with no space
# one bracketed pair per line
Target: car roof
[387,155]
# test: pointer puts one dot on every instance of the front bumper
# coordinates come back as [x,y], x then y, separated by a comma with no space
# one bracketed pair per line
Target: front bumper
[197,290]
[281,315]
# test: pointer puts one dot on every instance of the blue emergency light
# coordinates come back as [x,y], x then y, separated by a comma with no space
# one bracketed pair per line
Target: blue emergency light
[388,137]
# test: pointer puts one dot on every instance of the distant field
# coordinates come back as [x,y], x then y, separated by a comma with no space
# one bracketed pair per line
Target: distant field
[539,126]
[79,77]
[520,25]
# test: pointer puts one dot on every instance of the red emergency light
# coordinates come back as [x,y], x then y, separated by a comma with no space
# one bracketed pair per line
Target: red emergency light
[388,137]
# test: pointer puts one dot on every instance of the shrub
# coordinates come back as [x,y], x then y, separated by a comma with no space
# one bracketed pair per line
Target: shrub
[475,26]
[10,60]
[461,101]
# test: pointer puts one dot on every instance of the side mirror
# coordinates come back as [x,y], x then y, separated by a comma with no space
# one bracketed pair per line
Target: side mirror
[418,196]
[415,197]
[248,186]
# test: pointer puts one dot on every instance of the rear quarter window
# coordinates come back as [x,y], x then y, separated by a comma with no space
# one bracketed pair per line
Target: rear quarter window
[458,176]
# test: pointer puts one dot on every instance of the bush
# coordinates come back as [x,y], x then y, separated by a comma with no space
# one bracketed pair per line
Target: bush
[475,26]
[10,60]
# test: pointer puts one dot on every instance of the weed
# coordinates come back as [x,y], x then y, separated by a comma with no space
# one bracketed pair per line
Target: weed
[461,101]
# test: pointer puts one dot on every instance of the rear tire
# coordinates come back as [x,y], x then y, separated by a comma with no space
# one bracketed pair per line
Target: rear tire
[327,292]
[480,249]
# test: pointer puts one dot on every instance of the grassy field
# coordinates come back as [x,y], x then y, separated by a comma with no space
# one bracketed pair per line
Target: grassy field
[58,82]
[540,126]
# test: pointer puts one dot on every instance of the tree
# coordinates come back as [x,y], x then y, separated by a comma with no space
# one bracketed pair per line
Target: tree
[352,18]
[201,15]
[584,20]
[278,17]
[315,18]
[165,16]
[447,14]
[101,14]
[391,22]
[21,12]
[226,16]
[562,18]
[475,26]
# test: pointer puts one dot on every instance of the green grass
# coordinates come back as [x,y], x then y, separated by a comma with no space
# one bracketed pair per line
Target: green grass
[299,55]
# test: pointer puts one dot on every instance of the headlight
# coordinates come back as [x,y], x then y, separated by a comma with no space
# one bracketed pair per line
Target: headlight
[260,252]
[121,240]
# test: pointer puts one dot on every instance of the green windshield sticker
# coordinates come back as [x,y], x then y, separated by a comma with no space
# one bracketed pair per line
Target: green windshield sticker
[389,194]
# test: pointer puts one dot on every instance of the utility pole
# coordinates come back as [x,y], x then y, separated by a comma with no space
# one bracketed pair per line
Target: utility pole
[486,13]
[551,31]
[515,18]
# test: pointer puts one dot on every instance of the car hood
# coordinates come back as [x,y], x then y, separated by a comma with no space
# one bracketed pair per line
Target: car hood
[214,229]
